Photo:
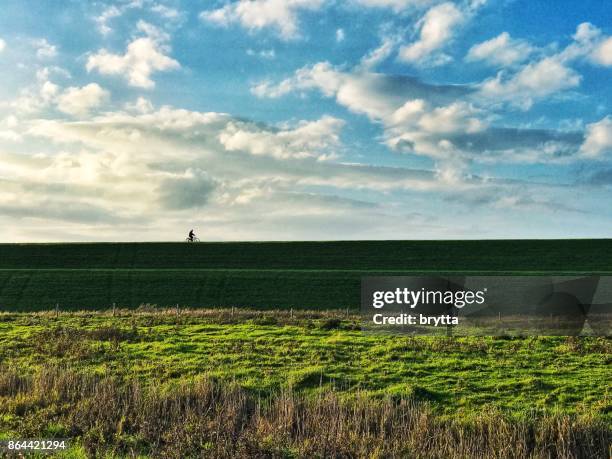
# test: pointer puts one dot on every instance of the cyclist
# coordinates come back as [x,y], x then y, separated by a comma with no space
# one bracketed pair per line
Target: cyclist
[191,236]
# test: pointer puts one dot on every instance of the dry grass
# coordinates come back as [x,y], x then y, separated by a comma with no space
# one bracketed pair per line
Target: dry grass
[207,418]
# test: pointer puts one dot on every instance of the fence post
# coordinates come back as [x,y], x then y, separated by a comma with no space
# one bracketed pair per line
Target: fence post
[291,313]
[178,311]
[114,306]
[232,311]
[56,309]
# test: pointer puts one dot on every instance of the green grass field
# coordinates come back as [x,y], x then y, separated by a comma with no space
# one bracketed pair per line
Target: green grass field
[267,351]
[306,275]
[552,394]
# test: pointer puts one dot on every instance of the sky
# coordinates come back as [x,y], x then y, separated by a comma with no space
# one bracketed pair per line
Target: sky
[139,120]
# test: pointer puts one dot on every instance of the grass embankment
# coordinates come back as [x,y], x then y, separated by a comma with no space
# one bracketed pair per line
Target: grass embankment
[369,394]
[308,275]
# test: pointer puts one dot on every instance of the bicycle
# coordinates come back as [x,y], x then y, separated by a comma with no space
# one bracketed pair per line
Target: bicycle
[194,239]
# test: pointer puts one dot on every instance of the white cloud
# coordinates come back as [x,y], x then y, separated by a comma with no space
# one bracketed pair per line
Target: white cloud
[137,173]
[378,55]
[590,42]
[602,54]
[115,11]
[354,91]
[103,19]
[152,31]
[396,5]
[422,128]
[8,129]
[48,91]
[447,123]
[412,113]
[456,117]
[340,35]
[2,45]
[40,96]
[79,101]
[315,139]
[586,32]
[143,57]
[45,95]
[44,49]
[544,76]
[598,139]
[281,15]
[140,105]
[135,149]
[162,164]
[502,50]
[264,53]
[44,73]
[166,12]
[375,95]
[436,28]
[535,80]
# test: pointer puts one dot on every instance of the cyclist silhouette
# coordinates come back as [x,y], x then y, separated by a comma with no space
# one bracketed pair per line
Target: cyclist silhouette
[191,236]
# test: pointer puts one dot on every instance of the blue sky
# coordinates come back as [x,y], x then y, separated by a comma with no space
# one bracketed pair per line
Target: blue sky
[305,119]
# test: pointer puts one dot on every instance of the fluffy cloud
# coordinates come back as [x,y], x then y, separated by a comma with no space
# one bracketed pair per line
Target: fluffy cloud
[115,11]
[281,15]
[2,45]
[444,122]
[502,50]
[143,173]
[545,75]
[140,105]
[46,95]
[169,142]
[392,100]
[103,19]
[374,94]
[315,139]
[44,49]
[592,43]
[79,101]
[602,54]
[534,81]
[436,28]
[598,139]
[154,169]
[143,57]
[7,129]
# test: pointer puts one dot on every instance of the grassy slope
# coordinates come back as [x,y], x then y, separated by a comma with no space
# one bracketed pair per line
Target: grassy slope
[504,255]
[262,275]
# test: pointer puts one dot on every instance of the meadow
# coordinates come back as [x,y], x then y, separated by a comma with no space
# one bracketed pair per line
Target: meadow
[550,393]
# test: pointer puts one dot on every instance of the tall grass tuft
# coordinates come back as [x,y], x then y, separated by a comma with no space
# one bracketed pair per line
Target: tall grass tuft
[208,418]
